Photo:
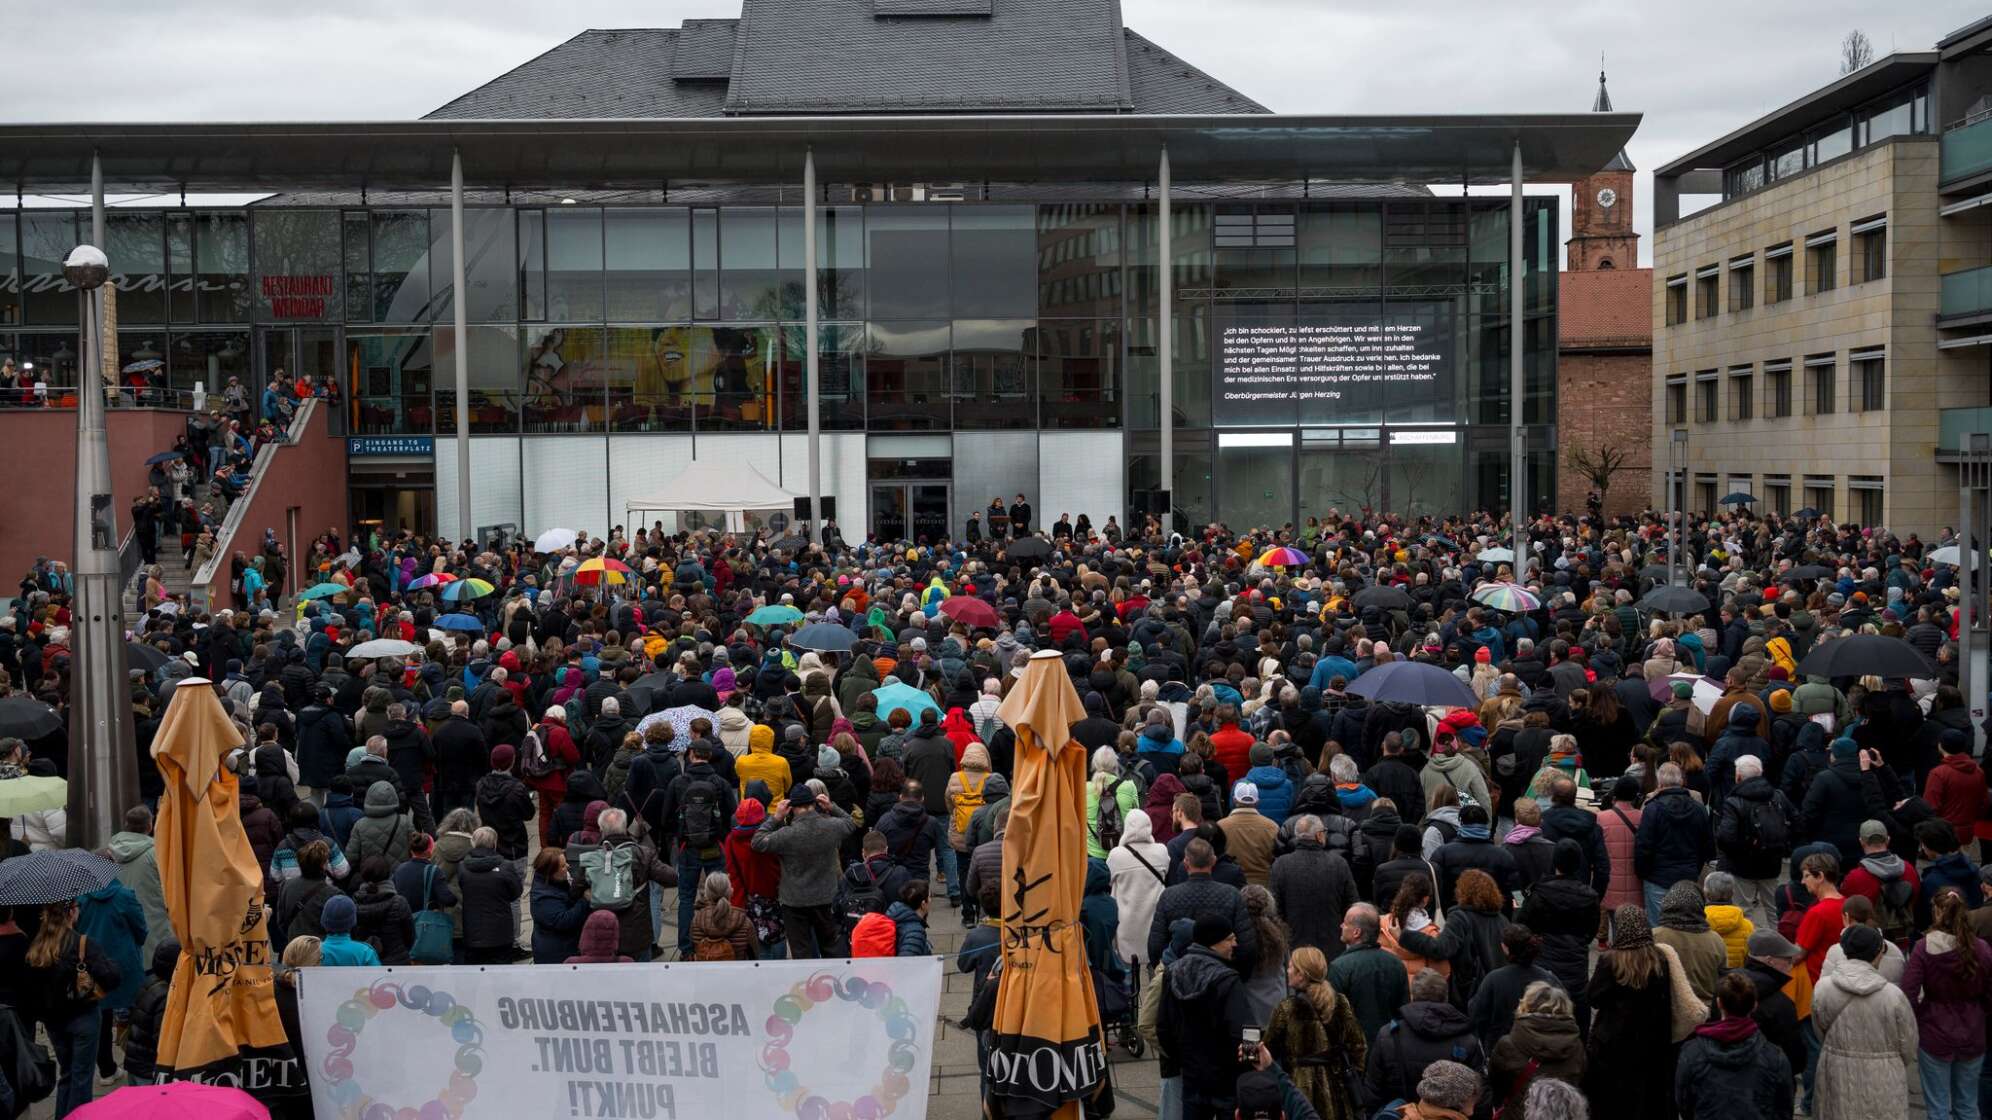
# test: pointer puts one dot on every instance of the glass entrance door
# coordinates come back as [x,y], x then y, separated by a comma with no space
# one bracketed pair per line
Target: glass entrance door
[930,511]
[918,511]
[309,353]
[889,510]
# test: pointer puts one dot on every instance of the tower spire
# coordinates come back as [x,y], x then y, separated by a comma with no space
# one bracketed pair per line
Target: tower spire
[1603,104]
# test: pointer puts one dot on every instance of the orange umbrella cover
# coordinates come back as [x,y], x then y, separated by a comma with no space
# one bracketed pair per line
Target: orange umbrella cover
[221,1023]
[1048,1054]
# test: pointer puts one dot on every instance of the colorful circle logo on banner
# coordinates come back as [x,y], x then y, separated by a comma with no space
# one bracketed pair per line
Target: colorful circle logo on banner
[901,1029]
[353,1017]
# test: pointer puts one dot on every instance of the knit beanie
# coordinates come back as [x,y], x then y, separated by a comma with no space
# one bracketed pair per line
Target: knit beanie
[339,915]
[1781,701]
[1211,929]
[502,756]
[1846,750]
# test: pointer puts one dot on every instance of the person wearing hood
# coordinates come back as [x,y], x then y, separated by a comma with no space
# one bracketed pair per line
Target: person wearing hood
[1674,839]
[1427,1029]
[1563,911]
[503,720]
[571,816]
[1728,1070]
[323,737]
[138,868]
[1136,868]
[598,944]
[1867,1036]
[1810,755]
[1684,927]
[1949,984]
[1887,881]
[338,949]
[1740,738]
[1448,767]
[754,878]
[148,1012]
[1726,918]
[386,831]
[969,789]
[386,919]
[1313,887]
[762,764]
[1202,1015]
[1841,797]
[1276,789]
[1473,848]
[908,915]
[1956,788]
[734,729]
[1543,1042]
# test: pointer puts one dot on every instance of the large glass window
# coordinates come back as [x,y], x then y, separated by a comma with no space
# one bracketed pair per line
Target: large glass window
[906,374]
[840,365]
[497,382]
[1190,357]
[1078,374]
[648,373]
[401,266]
[210,359]
[993,261]
[574,264]
[1424,246]
[221,252]
[356,253]
[840,262]
[136,245]
[532,264]
[1255,246]
[749,276]
[10,270]
[488,253]
[1255,485]
[390,380]
[297,265]
[1079,260]
[906,262]
[1189,247]
[733,387]
[180,263]
[1341,478]
[1341,248]
[137,374]
[49,358]
[705,263]
[1192,480]
[46,239]
[1424,477]
[993,361]
[565,371]
[649,264]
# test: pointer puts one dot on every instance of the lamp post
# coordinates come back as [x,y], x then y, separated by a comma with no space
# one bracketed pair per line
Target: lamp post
[1974,473]
[1677,495]
[103,769]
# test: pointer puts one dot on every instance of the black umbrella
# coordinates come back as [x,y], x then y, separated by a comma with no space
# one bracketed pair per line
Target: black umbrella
[645,691]
[1808,513]
[1675,600]
[1738,498]
[1808,571]
[24,717]
[1030,548]
[1865,655]
[1656,571]
[1383,598]
[824,637]
[1414,682]
[790,544]
[147,657]
[162,457]
[58,875]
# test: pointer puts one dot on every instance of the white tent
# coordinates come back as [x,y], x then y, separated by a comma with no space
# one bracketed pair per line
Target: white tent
[732,490]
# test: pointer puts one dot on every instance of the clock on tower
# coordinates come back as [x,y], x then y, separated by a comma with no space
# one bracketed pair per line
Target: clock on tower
[1601,235]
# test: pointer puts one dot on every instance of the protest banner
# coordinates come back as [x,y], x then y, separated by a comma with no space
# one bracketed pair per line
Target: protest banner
[803,1039]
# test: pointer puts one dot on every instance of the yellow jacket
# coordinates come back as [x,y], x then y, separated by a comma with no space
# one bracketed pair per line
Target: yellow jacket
[761,763]
[1735,930]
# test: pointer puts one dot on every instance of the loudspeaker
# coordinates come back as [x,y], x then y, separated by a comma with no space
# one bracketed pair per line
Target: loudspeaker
[829,508]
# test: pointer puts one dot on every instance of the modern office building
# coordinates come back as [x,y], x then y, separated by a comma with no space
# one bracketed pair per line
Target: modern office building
[990,185]
[1819,330]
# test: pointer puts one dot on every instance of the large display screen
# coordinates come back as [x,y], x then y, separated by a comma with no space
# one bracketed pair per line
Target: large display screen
[1279,365]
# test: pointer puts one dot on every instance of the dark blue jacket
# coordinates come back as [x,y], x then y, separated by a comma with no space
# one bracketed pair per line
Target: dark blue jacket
[1674,838]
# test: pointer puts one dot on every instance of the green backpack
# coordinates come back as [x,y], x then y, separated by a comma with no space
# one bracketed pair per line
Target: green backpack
[611,874]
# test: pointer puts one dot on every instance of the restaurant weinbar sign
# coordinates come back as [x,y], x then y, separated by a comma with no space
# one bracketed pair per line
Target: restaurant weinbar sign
[297,297]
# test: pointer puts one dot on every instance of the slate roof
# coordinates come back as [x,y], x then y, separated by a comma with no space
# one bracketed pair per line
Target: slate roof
[1609,308]
[784,57]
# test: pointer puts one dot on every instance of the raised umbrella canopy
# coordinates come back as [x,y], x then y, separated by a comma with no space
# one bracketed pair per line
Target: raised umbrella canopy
[1808,571]
[1414,682]
[1739,498]
[1383,599]
[1030,548]
[24,717]
[970,611]
[1867,655]
[1675,600]
[824,637]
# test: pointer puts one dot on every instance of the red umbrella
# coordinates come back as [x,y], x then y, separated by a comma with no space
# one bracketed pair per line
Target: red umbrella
[970,611]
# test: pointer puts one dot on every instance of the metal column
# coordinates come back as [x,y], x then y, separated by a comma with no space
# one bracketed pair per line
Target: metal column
[1974,473]
[96,201]
[811,362]
[1518,501]
[460,292]
[1165,341]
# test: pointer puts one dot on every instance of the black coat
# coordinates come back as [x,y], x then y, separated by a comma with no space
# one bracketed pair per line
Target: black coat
[505,804]
[323,738]
[1776,1015]
[1456,857]
[1200,894]
[1674,838]
[386,920]
[1313,888]
[1471,940]
[1745,1079]
[1391,778]
[411,752]
[1421,1034]
[1840,798]
[461,759]
[489,888]
[1740,857]
[1492,1008]
[1199,1023]
[1564,913]
[1568,822]
[558,915]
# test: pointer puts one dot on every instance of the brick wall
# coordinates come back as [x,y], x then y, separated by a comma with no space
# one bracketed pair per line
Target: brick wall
[1605,400]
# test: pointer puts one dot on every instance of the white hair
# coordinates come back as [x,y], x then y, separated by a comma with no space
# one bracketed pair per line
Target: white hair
[611,821]
[1669,775]
[1749,766]
[1343,768]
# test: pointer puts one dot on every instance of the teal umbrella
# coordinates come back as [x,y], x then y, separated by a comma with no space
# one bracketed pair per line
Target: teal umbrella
[897,695]
[774,614]
[323,591]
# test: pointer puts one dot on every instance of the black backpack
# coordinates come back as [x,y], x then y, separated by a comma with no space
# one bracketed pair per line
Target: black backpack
[1109,816]
[702,816]
[862,893]
[1765,829]
[1895,909]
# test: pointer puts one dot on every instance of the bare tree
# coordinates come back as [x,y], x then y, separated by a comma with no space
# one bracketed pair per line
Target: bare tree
[1855,51]
[1598,465]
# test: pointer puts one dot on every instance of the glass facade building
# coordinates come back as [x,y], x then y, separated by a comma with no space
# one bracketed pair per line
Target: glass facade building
[970,348]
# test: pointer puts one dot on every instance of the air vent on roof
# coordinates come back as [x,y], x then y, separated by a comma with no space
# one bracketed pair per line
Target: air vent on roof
[932,7]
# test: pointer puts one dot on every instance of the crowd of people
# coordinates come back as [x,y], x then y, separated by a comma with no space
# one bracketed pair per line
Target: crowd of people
[1637,863]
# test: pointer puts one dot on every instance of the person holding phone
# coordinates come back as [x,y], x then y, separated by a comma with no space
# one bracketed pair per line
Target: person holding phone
[1203,1020]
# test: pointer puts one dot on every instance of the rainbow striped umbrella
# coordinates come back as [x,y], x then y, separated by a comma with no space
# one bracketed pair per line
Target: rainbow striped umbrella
[467,589]
[602,570]
[433,579]
[1509,597]
[1283,557]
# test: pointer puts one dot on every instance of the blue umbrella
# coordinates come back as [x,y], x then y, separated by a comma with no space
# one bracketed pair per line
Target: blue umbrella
[774,614]
[899,695]
[824,637]
[464,622]
[162,457]
[1412,682]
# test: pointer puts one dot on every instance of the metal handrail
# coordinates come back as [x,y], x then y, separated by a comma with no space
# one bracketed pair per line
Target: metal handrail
[231,523]
[1966,122]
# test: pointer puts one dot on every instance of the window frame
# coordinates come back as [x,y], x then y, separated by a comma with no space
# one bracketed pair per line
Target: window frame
[1743,282]
[1778,273]
[1867,380]
[1777,390]
[1742,393]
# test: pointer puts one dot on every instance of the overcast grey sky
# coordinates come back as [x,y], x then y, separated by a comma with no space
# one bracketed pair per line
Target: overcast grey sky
[1696,68]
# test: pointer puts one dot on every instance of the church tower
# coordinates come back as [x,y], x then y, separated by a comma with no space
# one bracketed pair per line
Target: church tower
[1601,234]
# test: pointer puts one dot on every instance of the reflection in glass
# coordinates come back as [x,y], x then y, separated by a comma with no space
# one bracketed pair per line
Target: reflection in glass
[731,386]
[574,264]
[1257,486]
[993,255]
[137,250]
[10,264]
[906,376]
[1189,245]
[180,266]
[1079,260]
[992,373]
[387,377]
[566,375]
[488,253]
[46,238]
[840,365]
[1341,248]
[210,359]
[906,258]
[52,356]
[1254,246]
[354,237]
[1191,498]
[1424,479]
[705,263]
[496,381]
[1191,361]
[1076,373]
[1424,248]
[532,264]
[141,363]
[1346,479]
[749,284]
[840,262]
[297,265]
[649,264]
[400,266]
[647,371]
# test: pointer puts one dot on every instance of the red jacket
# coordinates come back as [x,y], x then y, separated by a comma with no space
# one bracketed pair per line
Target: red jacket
[559,747]
[1861,881]
[1064,624]
[959,731]
[1956,790]
[752,872]
[1233,749]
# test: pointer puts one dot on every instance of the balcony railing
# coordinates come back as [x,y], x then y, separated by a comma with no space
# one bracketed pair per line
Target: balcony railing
[1966,151]
[1966,293]
[1956,425]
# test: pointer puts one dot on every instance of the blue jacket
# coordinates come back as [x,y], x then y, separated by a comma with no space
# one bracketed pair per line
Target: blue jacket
[1952,870]
[1330,667]
[1275,792]
[340,950]
[112,917]
[912,932]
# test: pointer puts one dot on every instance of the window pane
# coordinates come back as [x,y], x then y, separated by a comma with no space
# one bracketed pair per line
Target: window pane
[297,265]
[750,283]
[574,264]
[52,356]
[137,248]
[1425,478]
[496,379]
[1833,144]
[46,239]
[354,235]
[1341,247]
[390,376]
[1079,260]
[210,358]
[1424,245]
[1895,120]
[10,270]
[649,383]
[906,261]
[649,265]
[1340,479]
[144,386]
[1257,487]
[840,262]
[992,373]
[1191,359]
[532,264]
[840,365]
[400,266]
[993,261]
[180,263]
[1254,246]
[1077,374]
[705,264]
[731,387]
[906,374]
[488,253]
[565,371]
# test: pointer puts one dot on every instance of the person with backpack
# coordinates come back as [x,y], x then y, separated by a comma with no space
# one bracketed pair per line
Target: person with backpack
[1110,800]
[619,875]
[428,892]
[546,756]
[911,833]
[1753,838]
[1887,881]
[720,931]
[872,881]
[807,836]
[697,806]
[969,789]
